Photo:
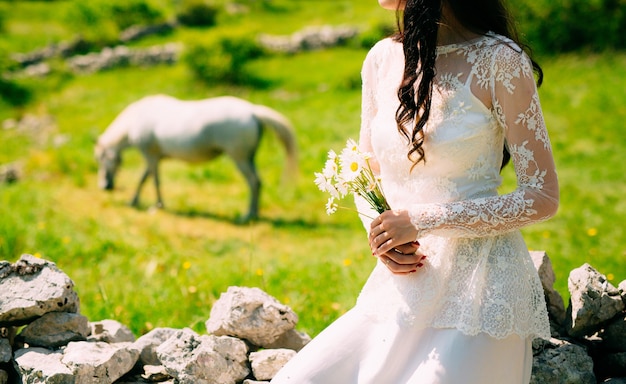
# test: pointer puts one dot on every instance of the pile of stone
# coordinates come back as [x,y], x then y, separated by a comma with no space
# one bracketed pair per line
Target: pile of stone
[34,64]
[136,32]
[63,49]
[10,173]
[67,49]
[309,39]
[250,335]
[121,56]
[588,343]
[45,339]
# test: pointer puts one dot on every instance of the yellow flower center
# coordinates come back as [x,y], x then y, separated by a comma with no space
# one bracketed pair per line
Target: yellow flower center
[354,167]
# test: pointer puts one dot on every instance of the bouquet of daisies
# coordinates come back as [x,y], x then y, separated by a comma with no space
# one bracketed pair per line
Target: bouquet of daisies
[347,173]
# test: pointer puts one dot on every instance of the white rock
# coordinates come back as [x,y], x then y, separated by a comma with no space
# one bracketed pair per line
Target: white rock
[266,363]
[40,365]
[194,359]
[99,362]
[250,314]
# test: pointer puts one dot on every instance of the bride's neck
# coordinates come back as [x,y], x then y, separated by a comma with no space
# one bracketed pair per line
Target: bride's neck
[451,31]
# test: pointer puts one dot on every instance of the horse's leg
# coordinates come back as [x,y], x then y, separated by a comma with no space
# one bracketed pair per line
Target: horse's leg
[151,169]
[157,183]
[248,169]
[135,201]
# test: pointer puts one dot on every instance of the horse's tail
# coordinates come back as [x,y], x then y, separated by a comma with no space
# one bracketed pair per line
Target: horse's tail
[284,130]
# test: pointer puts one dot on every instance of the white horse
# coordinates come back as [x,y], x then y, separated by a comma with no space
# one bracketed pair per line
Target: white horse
[162,126]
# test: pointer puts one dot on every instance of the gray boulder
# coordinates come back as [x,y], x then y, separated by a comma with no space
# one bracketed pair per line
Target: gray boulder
[614,334]
[562,363]
[593,301]
[40,365]
[250,314]
[98,362]
[554,301]
[110,331]
[31,288]
[148,343]
[6,352]
[56,329]
[292,339]
[266,363]
[194,359]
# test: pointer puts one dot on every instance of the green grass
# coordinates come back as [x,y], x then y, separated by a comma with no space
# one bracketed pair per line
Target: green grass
[149,268]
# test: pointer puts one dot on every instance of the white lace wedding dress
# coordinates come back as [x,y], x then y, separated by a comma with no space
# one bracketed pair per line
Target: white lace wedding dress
[469,315]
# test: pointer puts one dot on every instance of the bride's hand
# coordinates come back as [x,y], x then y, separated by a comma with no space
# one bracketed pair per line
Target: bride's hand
[392,239]
[389,230]
[404,259]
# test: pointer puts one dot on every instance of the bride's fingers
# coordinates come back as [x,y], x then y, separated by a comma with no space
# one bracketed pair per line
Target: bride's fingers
[385,241]
[405,249]
[380,239]
[400,269]
[405,259]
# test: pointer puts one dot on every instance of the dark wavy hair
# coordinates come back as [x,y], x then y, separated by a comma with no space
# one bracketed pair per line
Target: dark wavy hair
[418,25]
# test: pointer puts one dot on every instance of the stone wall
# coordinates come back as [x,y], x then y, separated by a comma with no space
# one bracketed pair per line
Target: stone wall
[251,335]
[36,63]
[588,343]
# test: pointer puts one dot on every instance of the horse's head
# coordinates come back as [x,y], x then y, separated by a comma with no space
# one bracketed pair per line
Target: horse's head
[109,160]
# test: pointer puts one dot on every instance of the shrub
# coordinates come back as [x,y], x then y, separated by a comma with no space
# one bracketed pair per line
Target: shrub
[224,60]
[569,25]
[14,94]
[101,21]
[92,22]
[197,13]
[11,92]
[136,12]
[266,5]
[368,38]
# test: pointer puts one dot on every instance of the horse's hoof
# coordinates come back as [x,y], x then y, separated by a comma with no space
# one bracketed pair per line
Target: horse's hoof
[246,219]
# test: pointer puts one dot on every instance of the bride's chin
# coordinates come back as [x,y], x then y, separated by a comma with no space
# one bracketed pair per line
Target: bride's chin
[391,4]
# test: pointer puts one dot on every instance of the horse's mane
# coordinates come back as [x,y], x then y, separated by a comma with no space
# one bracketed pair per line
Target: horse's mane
[116,133]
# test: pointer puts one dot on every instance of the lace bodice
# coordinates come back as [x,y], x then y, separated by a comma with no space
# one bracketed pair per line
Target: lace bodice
[484,96]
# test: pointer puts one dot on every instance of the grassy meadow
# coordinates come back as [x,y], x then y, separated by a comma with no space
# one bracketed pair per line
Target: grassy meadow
[155,268]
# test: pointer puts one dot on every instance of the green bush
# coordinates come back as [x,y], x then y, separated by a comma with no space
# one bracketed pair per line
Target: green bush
[368,38]
[136,12]
[224,60]
[11,92]
[552,26]
[91,20]
[197,13]
[101,21]
[267,5]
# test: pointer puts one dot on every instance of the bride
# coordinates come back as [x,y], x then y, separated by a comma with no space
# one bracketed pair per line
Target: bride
[454,297]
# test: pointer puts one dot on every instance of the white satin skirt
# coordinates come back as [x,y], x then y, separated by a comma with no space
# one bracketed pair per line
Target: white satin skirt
[356,350]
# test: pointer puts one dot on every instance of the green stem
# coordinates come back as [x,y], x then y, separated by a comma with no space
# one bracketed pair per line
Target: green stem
[354,210]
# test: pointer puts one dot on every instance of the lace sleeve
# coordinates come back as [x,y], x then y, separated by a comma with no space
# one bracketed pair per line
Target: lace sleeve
[517,109]
[368,111]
